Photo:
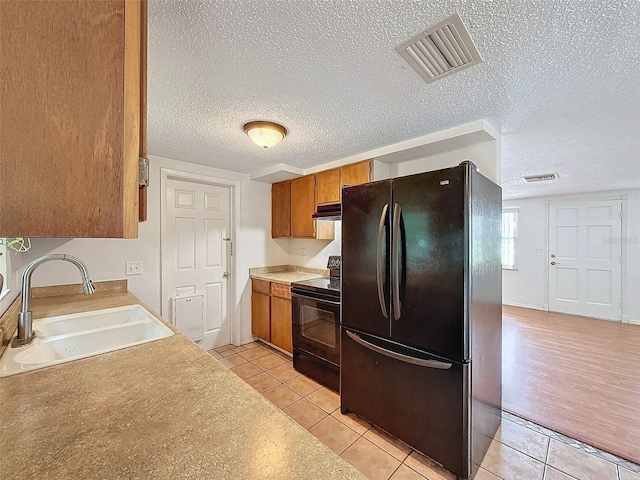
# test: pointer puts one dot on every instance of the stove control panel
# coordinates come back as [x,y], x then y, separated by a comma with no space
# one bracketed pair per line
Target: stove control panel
[334,262]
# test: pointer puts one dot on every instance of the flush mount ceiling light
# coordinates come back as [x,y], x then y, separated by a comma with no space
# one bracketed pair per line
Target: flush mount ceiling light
[265,134]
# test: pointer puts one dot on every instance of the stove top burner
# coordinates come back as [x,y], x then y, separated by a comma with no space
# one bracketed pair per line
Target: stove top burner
[325,285]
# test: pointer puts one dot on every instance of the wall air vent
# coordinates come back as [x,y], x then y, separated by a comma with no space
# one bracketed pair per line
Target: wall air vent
[540,178]
[441,50]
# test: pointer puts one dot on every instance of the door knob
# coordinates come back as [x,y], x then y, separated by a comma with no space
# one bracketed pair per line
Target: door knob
[226,275]
[554,263]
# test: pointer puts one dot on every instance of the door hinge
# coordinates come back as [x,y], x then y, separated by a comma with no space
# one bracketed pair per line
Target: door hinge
[621,260]
[143,172]
[230,244]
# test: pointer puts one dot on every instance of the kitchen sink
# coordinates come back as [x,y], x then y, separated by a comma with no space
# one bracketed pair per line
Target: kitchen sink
[66,338]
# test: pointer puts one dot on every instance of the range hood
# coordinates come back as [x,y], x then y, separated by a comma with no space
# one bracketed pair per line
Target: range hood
[331,211]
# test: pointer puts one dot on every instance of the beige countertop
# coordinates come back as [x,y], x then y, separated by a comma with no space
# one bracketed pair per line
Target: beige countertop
[163,410]
[287,274]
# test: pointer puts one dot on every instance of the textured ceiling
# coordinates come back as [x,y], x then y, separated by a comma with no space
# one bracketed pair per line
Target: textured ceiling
[560,80]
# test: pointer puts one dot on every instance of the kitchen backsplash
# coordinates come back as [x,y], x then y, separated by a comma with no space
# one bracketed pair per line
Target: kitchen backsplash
[311,253]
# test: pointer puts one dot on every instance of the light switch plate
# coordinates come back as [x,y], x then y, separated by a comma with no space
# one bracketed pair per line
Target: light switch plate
[133,268]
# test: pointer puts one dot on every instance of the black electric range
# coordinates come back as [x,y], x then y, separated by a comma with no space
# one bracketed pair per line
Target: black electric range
[316,326]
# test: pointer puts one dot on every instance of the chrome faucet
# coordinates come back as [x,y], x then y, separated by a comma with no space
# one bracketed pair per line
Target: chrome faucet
[25,321]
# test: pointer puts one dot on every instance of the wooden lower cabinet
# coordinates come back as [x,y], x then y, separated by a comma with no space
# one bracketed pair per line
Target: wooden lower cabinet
[271,313]
[261,315]
[281,323]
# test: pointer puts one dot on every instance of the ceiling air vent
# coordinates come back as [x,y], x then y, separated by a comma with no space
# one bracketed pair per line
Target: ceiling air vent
[540,178]
[441,50]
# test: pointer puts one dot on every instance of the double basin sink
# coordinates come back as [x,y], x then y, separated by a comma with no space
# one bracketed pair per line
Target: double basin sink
[65,338]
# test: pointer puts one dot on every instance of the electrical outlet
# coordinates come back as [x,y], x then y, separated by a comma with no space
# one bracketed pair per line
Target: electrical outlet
[303,253]
[133,268]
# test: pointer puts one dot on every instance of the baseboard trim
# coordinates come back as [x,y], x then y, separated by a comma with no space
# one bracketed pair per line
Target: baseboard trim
[523,305]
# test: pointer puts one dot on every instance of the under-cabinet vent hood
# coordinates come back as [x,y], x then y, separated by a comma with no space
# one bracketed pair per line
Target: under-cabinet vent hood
[440,50]
[332,211]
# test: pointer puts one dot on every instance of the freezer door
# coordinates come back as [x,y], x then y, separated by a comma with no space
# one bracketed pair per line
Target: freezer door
[421,400]
[365,255]
[430,248]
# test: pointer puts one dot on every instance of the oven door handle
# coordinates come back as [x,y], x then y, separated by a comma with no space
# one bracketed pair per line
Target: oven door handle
[421,362]
[379,264]
[316,299]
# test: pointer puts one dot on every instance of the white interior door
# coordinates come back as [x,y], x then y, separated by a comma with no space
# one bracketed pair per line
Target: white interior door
[197,252]
[585,264]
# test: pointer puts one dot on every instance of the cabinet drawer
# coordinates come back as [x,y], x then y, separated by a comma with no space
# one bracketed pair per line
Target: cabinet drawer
[260,286]
[280,290]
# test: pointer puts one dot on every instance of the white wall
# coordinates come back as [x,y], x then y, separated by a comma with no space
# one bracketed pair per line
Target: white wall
[528,285]
[484,155]
[105,258]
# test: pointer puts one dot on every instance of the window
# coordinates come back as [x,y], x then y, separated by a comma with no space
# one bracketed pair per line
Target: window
[509,236]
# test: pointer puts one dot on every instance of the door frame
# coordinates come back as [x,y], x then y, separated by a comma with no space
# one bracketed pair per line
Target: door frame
[624,317]
[233,267]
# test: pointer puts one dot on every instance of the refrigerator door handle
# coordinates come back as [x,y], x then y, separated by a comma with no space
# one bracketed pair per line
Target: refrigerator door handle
[379,263]
[421,362]
[395,263]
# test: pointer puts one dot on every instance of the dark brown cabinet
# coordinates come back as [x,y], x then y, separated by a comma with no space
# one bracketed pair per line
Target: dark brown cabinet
[72,116]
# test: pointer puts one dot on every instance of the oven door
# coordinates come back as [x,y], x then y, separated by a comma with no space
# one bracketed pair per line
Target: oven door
[316,326]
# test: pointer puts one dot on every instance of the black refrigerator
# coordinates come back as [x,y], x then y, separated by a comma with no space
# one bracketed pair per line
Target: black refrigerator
[421,311]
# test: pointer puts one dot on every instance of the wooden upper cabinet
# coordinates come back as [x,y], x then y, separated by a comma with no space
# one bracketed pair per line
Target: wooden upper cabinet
[328,186]
[73,89]
[281,209]
[356,173]
[302,206]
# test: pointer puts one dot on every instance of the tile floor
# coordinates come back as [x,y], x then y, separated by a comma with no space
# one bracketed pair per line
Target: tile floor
[520,451]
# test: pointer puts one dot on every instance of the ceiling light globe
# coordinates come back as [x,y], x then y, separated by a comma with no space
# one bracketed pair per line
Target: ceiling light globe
[265,134]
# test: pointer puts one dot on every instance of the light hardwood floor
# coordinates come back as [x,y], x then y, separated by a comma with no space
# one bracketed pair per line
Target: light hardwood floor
[578,376]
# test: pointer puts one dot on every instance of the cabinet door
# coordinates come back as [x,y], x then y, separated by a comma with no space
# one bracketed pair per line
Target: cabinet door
[70,118]
[356,173]
[281,210]
[281,323]
[260,312]
[328,186]
[302,207]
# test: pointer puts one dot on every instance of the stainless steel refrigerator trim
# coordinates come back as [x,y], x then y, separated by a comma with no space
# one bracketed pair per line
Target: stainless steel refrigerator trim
[379,266]
[395,263]
[468,232]
[399,356]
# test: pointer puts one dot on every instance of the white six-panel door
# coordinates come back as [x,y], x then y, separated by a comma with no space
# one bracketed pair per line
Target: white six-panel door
[197,242]
[585,258]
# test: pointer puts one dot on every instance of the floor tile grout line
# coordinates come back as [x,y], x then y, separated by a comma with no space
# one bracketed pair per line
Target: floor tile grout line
[522,422]
[519,451]
[567,440]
